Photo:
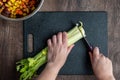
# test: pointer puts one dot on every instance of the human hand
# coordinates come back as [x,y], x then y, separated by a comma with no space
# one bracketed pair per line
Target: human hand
[58,50]
[102,66]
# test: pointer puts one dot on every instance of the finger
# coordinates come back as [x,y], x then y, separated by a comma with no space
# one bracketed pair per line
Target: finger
[91,57]
[102,56]
[50,49]
[49,57]
[54,39]
[49,42]
[108,60]
[64,38]
[96,52]
[59,38]
[70,48]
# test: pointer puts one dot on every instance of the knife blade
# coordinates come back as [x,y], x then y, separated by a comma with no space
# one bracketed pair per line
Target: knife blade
[89,47]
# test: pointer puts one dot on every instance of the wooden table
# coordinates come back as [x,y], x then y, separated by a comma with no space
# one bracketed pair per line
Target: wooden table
[11,35]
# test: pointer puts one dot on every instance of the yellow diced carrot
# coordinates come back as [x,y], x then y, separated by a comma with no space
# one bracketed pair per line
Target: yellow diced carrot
[27,10]
[33,8]
[20,7]
[6,5]
[14,7]
[9,3]
[10,9]
[24,14]
[19,2]
[13,1]
[1,9]
[4,0]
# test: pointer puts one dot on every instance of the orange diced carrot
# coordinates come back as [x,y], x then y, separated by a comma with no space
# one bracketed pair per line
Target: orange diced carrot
[18,11]
[23,5]
[1,4]
[27,1]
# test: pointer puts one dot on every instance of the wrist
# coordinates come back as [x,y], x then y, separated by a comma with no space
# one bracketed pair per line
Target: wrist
[52,67]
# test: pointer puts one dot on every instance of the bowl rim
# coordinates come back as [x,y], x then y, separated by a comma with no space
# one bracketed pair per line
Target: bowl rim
[26,17]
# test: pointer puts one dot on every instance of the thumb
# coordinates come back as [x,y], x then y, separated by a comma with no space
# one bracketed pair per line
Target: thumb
[70,48]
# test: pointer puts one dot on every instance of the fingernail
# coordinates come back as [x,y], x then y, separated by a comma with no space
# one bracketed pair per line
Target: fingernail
[48,39]
[64,33]
[60,33]
[97,48]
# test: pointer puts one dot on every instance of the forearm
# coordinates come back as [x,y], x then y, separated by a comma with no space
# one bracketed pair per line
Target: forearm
[49,73]
[108,78]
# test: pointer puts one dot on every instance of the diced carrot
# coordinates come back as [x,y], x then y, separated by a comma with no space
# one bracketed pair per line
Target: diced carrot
[1,4]
[32,3]
[27,1]
[4,0]
[18,11]
[23,5]
[1,9]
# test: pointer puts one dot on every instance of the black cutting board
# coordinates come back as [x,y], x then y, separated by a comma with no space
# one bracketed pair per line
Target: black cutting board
[44,24]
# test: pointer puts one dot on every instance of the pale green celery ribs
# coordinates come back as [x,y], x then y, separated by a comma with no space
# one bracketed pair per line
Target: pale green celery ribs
[28,67]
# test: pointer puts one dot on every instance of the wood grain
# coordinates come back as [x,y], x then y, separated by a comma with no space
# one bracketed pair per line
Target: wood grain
[11,35]
[10,48]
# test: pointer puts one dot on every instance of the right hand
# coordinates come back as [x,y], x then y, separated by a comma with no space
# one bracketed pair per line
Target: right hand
[102,66]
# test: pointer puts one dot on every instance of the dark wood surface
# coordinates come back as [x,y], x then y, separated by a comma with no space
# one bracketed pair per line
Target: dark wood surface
[11,36]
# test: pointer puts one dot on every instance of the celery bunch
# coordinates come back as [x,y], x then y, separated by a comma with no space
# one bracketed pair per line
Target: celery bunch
[28,67]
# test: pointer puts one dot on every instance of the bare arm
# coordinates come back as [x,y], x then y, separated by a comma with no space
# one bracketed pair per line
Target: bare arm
[58,51]
[102,66]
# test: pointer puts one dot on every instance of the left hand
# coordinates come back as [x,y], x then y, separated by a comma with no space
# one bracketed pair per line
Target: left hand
[58,50]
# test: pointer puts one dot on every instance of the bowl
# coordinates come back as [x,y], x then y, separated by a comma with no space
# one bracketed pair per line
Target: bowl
[38,6]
